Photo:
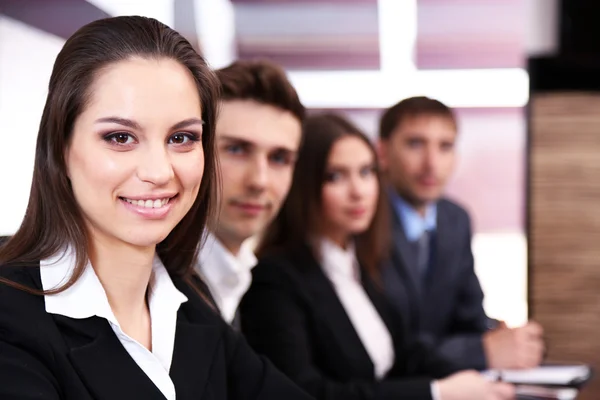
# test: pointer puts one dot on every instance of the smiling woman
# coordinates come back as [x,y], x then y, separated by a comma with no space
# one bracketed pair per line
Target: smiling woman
[98,296]
[147,150]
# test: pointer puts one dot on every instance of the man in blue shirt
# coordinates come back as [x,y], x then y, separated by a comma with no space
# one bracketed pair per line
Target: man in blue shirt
[431,277]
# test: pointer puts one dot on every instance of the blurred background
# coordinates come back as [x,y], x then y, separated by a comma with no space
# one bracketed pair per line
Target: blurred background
[355,56]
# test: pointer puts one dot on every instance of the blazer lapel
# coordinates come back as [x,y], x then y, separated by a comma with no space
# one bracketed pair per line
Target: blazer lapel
[392,320]
[109,372]
[401,333]
[103,364]
[443,258]
[334,316]
[196,345]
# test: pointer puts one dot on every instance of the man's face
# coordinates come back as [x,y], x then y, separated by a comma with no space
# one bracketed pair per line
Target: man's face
[419,157]
[257,146]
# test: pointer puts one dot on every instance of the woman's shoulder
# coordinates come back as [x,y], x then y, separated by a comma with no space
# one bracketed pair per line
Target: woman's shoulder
[20,281]
[24,275]
[289,267]
[199,307]
[22,310]
[293,257]
[275,265]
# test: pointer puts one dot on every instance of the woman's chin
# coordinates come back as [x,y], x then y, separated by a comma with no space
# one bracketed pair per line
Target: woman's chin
[147,239]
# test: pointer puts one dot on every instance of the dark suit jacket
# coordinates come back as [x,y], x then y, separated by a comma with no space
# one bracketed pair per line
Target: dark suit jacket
[293,315]
[446,310]
[51,357]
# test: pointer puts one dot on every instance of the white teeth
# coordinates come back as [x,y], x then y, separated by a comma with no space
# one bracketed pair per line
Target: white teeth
[158,203]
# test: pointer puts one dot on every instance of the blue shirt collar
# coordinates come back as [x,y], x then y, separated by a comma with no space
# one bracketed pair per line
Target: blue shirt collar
[414,224]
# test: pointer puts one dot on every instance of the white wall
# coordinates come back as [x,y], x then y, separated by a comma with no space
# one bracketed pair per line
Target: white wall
[26,59]
[162,10]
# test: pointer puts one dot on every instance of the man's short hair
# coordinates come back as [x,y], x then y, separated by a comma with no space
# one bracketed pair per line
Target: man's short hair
[261,81]
[410,108]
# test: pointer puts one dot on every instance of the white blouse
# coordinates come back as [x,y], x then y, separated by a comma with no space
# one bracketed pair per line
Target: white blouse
[342,269]
[87,298]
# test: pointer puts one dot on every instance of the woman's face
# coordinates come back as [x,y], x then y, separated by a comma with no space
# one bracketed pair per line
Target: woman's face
[135,160]
[351,190]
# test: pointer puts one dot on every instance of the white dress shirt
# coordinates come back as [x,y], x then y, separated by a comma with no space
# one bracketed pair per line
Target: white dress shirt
[228,276]
[341,267]
[87,298]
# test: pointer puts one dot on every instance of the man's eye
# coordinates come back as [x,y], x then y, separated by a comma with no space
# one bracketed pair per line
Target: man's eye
[234,149]
[281,158]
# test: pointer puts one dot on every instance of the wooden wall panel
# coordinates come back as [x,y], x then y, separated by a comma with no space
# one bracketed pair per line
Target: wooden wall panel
[564,226]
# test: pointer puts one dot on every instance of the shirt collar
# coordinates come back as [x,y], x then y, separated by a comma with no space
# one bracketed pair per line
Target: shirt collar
[414,224]
[87,298]
[219,266]
[336,261]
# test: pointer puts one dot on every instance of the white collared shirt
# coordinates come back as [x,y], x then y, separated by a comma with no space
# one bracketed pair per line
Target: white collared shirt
[87,298]
[341,267]
[227,276]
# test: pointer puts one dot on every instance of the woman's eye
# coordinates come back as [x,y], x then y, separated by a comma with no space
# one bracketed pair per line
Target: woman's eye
[179,138]
[367,171]
[119,138]
[333,176]
[183,138]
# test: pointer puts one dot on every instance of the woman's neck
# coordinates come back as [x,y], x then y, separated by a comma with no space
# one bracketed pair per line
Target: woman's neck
[124,272]
[340,240]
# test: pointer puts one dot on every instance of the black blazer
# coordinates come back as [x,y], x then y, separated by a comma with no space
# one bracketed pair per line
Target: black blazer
[51,357]
[446,311]
[293,315]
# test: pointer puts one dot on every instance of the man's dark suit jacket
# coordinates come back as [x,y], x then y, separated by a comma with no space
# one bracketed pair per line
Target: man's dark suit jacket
[292,315]
[445,309]
[52,357]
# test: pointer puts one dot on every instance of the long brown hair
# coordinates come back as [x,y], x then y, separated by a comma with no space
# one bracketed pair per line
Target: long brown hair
[53,219]
[300,213]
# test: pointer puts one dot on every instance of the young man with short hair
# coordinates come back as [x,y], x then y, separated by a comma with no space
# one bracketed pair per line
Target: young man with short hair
[258,133]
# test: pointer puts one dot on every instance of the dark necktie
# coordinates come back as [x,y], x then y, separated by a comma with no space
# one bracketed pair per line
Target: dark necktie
[423,252]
